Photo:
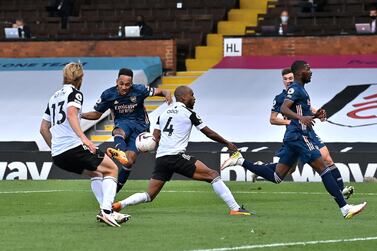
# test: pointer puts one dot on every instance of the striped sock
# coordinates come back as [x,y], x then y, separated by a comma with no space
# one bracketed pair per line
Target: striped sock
[265,171]
[332,188]
[337,176]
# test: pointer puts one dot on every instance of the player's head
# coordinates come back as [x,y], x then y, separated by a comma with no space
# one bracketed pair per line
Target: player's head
[73,74]
[301,71]
[185,95]
[124,81]
[288,77]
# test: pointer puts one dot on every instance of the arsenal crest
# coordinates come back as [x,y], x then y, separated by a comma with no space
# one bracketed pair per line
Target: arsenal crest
[133,99]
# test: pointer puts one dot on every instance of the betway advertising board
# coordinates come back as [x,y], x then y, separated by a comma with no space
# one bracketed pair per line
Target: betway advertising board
[356,162]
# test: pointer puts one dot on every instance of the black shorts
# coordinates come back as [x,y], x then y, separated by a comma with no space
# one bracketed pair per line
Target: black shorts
[166,166]
[78,159]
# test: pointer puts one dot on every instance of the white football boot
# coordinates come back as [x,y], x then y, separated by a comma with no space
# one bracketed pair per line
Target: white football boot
[108,219]
[121,218]
[353,210]
[234,160]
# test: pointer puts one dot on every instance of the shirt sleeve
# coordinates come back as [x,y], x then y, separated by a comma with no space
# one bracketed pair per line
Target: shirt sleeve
[47,116]
[276,105]
[197,121]
[293,94]
[102,104]
[148,91]
[76,99]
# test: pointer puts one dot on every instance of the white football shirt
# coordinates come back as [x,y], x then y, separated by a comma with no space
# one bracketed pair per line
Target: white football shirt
[175,124]
[63,137]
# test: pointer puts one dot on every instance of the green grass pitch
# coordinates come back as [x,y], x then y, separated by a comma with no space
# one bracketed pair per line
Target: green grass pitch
[187,215]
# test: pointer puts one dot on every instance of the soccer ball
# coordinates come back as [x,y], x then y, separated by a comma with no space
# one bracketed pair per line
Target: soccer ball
[145,142]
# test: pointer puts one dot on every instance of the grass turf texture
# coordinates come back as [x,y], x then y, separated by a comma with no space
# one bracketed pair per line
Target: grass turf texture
[186,215]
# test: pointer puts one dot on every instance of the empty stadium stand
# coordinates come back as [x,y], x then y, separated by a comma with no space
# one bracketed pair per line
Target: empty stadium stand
[337,17]
[98,18]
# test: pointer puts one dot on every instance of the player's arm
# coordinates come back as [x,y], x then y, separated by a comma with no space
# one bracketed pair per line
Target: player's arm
[45,126]
[157,132]
[93,115]
[163,93]
[286,110]
[157,135]
[275,120]
[218,138]
[72,116]
[99,108]
[45,131]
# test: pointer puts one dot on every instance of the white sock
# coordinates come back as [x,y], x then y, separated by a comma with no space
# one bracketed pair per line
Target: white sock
[96,185]
[135,199]
[109,188]
[224,193]
[345,209]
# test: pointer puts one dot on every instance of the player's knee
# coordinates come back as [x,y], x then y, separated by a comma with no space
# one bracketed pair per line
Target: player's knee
[212,174]
[119,131]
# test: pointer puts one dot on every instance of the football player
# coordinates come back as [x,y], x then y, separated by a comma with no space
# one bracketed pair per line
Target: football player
[172,131]
[126,102]
[299,143]
[72,151]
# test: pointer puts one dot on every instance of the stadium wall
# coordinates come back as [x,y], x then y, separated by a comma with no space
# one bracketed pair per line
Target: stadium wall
[163,48]
[319,45]
[356,162]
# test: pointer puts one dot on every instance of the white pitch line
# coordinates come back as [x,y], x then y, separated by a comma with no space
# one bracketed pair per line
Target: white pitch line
[286,244]
[40,191]
[177,191]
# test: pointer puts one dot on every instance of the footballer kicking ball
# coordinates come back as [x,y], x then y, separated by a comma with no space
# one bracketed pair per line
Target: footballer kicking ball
[145,142]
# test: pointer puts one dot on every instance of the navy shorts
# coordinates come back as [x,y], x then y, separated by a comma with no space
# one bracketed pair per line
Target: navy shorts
[316,140]
[302,148]
[132,129]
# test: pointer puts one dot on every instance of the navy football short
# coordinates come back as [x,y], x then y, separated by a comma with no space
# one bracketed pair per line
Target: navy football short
[316,139]
[132,129]
[302,148]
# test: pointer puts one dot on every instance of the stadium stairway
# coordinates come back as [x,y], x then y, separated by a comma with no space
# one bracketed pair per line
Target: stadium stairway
[238,19]
[102,131]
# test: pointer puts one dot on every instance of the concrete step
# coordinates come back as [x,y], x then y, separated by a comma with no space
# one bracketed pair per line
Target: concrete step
[200,64]
[100,138]
[190,73]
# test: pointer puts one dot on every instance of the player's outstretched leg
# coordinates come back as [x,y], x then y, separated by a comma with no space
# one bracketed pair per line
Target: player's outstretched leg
[119,155]
[266,171]
[154,188]
[226,195]
[204,173]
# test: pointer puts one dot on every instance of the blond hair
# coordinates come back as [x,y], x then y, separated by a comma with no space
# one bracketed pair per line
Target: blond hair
[73,73]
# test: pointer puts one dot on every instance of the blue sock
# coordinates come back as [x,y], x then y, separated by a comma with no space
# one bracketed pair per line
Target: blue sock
[332,188]
[337,176]
[119,142]
[265,171]
[123,174]
[272,166]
